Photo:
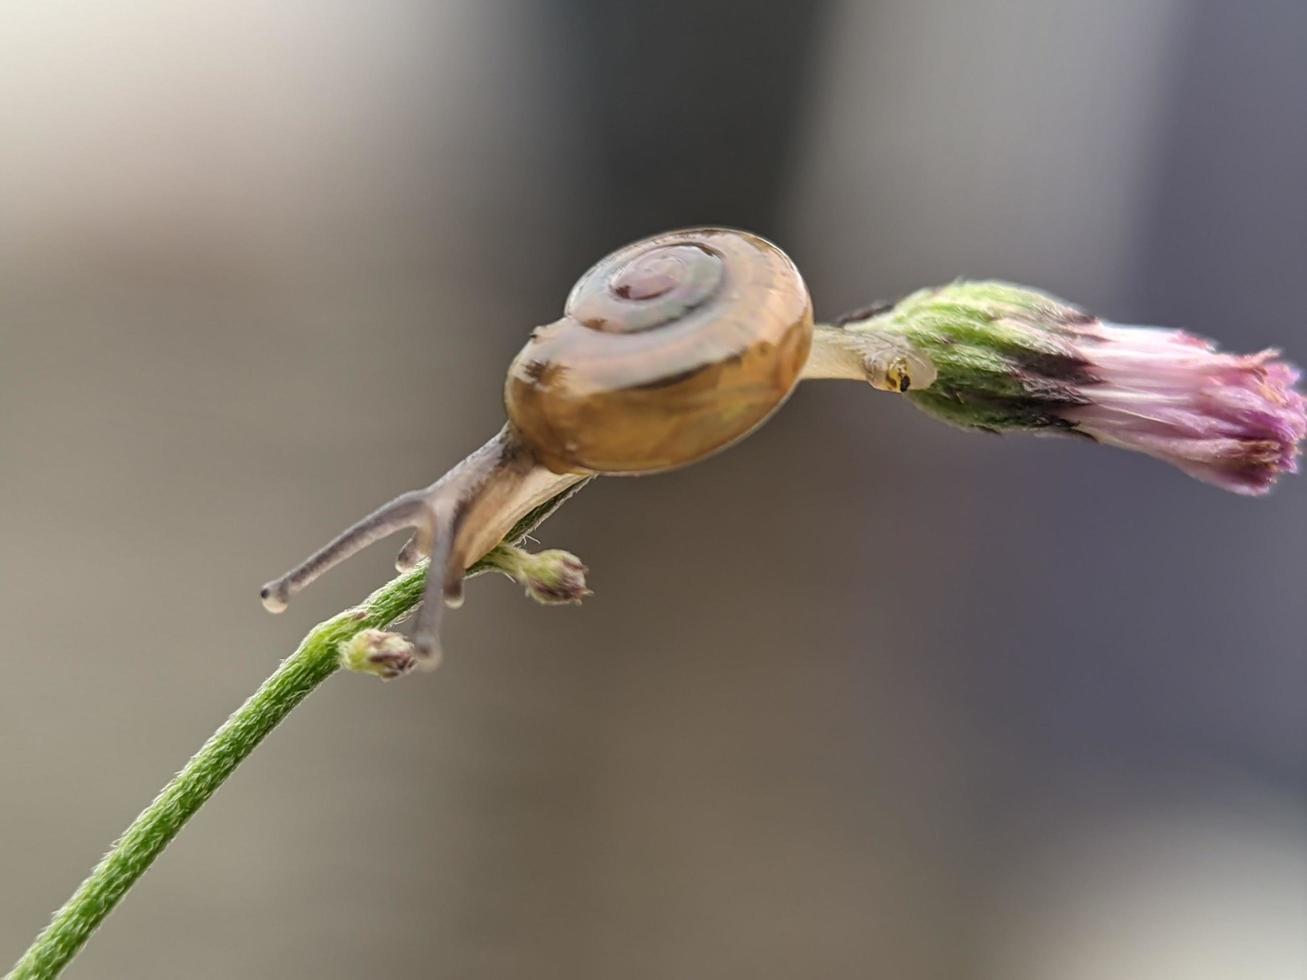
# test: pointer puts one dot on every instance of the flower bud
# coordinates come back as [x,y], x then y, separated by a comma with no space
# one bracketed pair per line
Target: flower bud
[551,577]
[1010,358]
[372,651]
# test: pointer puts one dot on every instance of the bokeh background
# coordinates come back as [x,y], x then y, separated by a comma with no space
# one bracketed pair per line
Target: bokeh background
[864,697]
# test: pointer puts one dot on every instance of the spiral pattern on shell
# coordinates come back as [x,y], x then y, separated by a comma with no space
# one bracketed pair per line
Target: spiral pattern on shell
[669,350]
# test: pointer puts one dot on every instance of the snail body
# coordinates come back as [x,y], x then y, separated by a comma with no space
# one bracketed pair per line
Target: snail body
[668,350]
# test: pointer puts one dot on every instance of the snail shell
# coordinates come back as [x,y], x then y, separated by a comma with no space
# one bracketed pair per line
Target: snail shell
[669,350]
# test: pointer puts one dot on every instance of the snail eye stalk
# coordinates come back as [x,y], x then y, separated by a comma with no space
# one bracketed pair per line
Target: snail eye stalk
[457,520]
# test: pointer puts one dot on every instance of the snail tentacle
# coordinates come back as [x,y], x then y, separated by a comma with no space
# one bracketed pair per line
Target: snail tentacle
[409,556]
[458,519]
[426,627]
[406,510]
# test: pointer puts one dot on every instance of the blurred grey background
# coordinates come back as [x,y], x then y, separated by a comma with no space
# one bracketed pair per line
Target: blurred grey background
[865,697]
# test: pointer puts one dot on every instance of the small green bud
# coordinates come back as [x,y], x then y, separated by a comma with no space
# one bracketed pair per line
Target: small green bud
[553,577]
[377,652]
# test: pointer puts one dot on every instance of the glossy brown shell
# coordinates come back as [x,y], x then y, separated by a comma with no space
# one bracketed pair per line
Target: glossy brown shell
[669,349]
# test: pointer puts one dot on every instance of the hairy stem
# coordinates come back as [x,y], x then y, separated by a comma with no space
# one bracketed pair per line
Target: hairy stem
[316,659]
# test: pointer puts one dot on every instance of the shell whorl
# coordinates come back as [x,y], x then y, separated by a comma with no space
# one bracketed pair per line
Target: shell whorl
[668,350]
[659,283]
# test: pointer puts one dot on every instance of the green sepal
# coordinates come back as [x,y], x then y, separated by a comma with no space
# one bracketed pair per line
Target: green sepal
[1003,353]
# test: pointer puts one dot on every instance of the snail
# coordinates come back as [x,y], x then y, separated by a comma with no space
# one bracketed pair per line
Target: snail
[669,350]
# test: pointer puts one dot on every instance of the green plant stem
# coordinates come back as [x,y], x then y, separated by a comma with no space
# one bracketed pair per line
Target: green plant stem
[316,659]
[142,842]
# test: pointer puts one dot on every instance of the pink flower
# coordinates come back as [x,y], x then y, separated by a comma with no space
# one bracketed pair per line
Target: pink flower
[1226,419]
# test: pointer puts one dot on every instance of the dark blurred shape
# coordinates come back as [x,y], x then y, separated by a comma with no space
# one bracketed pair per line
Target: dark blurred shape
[693,110]
[1224,238]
